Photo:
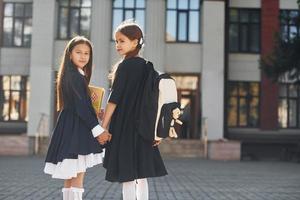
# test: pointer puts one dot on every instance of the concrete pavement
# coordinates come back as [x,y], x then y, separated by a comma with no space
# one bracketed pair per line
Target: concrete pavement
[22,178]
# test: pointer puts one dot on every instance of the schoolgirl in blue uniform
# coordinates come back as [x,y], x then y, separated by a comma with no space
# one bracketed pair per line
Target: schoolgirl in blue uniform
[74,145]
[130,158]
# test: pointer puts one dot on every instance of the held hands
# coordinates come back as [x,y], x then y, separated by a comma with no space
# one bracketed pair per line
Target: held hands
[104,137]
[156,142]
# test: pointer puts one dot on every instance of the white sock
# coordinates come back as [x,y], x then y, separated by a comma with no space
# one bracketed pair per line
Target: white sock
[142,191]
[66,193]
[128,190]
[76,193]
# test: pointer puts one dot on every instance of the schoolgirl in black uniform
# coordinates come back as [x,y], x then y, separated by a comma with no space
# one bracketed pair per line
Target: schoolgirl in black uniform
[74,146]
[129,157]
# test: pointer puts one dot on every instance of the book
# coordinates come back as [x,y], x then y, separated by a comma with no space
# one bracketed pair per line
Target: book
[97,94]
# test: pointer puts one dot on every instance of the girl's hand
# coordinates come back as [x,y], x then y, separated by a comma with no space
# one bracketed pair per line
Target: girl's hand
[156,142]
[104,138]
[100,115]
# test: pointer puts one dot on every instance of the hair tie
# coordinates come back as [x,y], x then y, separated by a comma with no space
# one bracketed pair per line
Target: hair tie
[141,42]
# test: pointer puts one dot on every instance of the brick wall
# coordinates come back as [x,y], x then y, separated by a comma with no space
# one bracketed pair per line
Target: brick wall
[14,145]
[224,150]
[182,148]
[269,90]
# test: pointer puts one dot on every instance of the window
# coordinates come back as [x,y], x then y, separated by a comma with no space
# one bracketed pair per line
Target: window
[289,24]
[14,94]
[183,21]
[17,24]
[74,18]
[243,104]
[289,106]
[244,30]
[128,9]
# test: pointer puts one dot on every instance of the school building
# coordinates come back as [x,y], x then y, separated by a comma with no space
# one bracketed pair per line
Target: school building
[212,48]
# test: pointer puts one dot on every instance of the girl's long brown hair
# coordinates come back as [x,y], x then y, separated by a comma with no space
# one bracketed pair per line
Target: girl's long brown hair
[67,66]
[133,31]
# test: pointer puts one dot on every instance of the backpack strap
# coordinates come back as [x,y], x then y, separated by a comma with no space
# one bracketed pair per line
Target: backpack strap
[165,76]
[148,105]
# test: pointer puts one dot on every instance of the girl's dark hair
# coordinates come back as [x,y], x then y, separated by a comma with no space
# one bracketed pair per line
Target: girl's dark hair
[133,31]
[67,67]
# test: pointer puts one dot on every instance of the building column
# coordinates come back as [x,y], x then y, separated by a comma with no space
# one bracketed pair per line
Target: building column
[212,83]
[155,33]
[41,72]
[269,90]
[100,36]
[1,21]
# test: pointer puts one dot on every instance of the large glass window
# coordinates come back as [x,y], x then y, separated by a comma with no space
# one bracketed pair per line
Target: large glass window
[183,21]
[128,9]
[243,104]
[289,106]
[244,30]
[17,24]
[289,24]
[74,18]
[14,94]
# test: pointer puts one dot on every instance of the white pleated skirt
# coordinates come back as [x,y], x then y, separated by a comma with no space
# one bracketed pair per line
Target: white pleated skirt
[69,168]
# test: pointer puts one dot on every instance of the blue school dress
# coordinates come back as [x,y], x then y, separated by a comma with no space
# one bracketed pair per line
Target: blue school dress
[73,147]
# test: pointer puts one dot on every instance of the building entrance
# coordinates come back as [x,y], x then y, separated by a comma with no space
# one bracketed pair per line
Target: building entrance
[189,98]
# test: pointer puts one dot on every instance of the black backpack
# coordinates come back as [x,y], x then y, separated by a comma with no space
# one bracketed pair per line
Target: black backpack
[158,101]
[168,107]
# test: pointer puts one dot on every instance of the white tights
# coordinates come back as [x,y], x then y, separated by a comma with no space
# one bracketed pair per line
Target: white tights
[72,193]
[137,189]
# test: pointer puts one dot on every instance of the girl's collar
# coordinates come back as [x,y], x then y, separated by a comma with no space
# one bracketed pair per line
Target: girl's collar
[137,56]
[81,71]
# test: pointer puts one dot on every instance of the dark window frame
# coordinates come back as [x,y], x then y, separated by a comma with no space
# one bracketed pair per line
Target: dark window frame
[124,9]
[288,98]
[23,92]
[187,11]
[248,24]
[23,18]
[69,8]
[247,98]
[289,23]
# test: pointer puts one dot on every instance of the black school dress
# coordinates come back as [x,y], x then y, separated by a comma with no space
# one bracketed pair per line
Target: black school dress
[129,156]
[73,147]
